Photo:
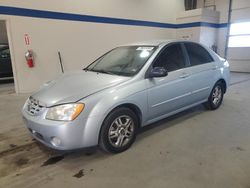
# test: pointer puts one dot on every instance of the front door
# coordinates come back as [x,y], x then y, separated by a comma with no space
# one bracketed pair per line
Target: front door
[170,93]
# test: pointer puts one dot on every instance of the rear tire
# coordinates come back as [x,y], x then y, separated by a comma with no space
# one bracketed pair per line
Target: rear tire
[216,97]
[118,131]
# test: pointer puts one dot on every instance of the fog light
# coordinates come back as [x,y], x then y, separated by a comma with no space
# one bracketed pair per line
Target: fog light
[55,141]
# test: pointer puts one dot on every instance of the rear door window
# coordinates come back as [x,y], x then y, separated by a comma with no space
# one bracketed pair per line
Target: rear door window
[197,54]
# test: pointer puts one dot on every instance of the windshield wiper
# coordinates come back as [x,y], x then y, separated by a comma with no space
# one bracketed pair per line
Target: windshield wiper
[100,71]
[104,71]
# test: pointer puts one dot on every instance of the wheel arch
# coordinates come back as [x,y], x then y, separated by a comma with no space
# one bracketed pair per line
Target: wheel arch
[223,84]
[130,106]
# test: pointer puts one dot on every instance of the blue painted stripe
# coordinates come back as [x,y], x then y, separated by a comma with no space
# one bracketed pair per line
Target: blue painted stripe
[14,11]
[201,24]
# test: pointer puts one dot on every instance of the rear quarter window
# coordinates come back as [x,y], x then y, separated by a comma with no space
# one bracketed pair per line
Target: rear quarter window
[197,54]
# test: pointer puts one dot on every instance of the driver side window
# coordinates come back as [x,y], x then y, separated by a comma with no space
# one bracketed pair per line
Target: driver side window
[171,58]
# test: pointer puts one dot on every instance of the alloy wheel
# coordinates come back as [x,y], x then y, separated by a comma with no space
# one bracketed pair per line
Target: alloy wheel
[121,131]
[217,95]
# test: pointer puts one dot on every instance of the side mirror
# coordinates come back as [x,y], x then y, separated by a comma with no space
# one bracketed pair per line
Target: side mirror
[158,72]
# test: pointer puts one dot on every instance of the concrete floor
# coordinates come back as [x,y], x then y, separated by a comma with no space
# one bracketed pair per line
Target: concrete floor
[196,148]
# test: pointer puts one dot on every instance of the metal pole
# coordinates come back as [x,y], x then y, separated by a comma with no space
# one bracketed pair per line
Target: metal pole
[228,27]
[60,59]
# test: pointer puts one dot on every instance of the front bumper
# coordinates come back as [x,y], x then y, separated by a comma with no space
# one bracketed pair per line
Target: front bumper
[69,135]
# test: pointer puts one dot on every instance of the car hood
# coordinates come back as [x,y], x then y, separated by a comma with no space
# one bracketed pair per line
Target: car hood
[72,87]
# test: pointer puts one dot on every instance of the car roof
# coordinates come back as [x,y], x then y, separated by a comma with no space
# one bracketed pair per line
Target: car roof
[153,42]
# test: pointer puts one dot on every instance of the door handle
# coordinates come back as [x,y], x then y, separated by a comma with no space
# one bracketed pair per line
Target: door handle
[184,75]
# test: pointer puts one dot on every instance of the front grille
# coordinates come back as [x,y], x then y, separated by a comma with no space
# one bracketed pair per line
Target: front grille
[34,107]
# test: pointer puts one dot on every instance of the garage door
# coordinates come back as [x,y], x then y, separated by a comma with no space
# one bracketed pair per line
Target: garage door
[239,37]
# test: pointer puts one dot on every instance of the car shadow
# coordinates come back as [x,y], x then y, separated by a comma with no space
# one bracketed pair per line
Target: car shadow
[170,121]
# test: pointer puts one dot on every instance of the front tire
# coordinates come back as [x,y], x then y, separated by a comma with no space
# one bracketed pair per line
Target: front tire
[118,131]
[216,97]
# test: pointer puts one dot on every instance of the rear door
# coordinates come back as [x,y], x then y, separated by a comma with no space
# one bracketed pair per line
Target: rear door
[202,71]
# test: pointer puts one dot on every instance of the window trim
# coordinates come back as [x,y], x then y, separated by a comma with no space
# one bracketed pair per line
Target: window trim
[161,51]
[186,52]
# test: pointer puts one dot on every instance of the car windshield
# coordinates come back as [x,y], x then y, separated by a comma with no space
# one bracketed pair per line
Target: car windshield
[123,61]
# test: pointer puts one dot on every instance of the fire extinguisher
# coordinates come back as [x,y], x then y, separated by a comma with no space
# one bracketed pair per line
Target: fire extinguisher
[29,58]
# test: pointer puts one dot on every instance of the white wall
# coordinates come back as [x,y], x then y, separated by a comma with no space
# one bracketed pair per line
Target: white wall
[79,42]
[205,35]
[222,6]
[192,33]
[157,10]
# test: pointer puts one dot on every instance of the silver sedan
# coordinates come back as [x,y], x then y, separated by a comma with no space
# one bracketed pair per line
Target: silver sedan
[127,88]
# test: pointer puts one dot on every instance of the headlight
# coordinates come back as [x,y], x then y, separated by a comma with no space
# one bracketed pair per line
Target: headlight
[65,112]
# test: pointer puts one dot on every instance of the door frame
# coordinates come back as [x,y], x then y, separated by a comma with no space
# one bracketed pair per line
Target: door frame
[11,47]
